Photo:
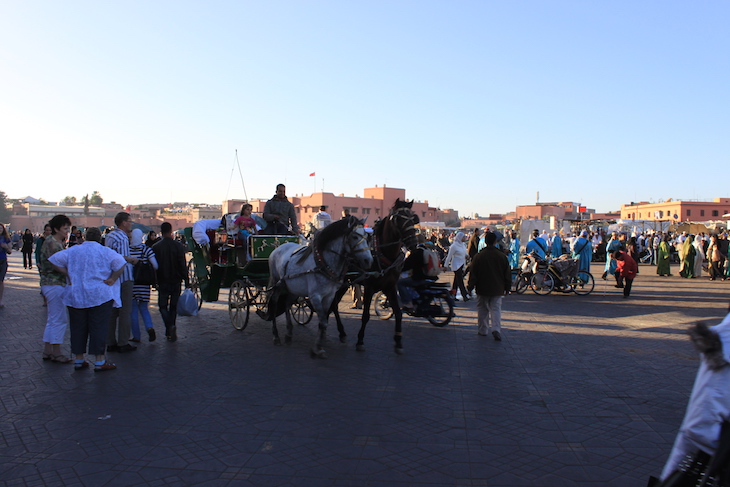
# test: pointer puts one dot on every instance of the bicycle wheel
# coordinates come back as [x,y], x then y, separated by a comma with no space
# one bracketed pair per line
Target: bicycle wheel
[542,283]
[238,304]
[523,282]
[301,311]
[583,283]
[381,305]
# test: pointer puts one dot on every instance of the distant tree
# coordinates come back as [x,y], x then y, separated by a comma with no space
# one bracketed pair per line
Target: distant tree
[69,200]
[96,199]
[5,212]
[85,200]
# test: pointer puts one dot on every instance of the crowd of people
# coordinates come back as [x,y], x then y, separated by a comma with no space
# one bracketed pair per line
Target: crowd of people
[90,283]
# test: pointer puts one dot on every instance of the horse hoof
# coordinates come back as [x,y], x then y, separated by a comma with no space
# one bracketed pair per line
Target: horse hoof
[343,339]
[318,354]
[399,350]
[287,340]
[360,347]
[277,341]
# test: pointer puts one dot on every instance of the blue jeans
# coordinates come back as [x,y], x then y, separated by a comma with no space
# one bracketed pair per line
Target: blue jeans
[140,308]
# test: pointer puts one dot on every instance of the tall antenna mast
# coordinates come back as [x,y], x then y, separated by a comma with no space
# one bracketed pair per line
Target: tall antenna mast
[241,174]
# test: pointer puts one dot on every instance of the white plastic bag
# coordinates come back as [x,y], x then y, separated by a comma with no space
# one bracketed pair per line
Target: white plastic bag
[187,305]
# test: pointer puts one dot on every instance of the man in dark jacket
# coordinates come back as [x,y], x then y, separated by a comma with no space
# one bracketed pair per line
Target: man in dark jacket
[279,213]
[491,276]
[170,256]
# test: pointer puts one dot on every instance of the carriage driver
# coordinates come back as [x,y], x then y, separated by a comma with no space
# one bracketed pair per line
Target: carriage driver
[279,214]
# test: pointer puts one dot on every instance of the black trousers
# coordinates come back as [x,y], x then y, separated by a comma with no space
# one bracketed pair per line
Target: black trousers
[459,282]
[168,296]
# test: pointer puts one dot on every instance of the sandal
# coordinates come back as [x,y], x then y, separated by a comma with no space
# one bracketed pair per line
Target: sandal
[104,366]
[81,365]
[47,356]
[61,359]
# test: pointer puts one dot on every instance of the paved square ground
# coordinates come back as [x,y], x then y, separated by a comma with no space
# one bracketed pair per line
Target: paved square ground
[582,391]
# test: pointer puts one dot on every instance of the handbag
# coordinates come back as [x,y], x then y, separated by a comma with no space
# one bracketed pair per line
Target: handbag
[144,274]
[699,469]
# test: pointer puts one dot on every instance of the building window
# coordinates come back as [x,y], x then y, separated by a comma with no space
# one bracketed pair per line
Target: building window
[377,211]
[702,212]
[689,212]
[714,213]
[366,211]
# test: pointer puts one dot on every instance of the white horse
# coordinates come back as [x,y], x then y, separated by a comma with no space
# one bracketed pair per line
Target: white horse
[316,271]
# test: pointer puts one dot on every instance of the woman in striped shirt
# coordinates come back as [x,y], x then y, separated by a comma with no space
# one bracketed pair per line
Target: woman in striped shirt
[141,292]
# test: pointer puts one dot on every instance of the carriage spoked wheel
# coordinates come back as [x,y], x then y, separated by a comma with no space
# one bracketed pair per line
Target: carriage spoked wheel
[542,283]
[239,301]
[381,305]
[583,283]
[195,284]
[301,311]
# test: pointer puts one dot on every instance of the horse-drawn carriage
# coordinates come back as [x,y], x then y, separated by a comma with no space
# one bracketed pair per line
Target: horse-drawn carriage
[281,276]
[243,268]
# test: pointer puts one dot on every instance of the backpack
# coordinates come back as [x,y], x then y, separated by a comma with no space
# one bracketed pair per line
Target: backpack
[431,263]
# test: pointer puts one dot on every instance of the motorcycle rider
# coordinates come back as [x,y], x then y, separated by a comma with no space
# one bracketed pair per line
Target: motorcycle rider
[414,273]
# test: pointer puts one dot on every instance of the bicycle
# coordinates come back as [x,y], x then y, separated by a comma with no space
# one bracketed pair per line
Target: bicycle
[563,275]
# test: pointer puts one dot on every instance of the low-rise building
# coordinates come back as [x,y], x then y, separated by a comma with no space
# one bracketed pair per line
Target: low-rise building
[677,210]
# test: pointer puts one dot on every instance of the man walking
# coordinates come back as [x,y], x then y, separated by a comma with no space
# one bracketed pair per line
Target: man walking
[120,326]
[170,256]
[491,276]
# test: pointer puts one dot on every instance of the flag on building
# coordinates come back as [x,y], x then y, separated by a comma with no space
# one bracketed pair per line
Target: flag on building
[312,174]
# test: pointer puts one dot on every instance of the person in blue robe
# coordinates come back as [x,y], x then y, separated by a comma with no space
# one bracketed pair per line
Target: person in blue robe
[613,245]
[537,245]
[583,251]
[556,246]
[514,251]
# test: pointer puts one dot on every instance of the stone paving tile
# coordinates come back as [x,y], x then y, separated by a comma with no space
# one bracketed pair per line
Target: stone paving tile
[582,391]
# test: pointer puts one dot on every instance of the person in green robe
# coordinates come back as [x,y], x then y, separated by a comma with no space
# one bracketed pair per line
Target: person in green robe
[687,255]
[663,253]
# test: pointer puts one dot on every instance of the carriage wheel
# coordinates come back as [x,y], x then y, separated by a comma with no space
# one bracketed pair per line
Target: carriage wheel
[239,304]
[447,311]
[301,311]
[542,283]
[195,283]
[381,305]
[583,283]
[523,282]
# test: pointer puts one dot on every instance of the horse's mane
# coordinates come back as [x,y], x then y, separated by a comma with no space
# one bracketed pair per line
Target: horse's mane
[328,234]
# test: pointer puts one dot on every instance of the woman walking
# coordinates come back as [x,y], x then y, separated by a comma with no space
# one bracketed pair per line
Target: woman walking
[27,249]
[53,287]
[715,259]
[5,250]
[663,254]
[687,255]
[141,292]
[455,260]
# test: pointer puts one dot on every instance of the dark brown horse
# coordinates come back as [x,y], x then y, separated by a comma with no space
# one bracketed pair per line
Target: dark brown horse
[390,235]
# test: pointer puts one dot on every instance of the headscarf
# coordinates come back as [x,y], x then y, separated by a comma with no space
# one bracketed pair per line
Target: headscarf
[136,240]
[686,246]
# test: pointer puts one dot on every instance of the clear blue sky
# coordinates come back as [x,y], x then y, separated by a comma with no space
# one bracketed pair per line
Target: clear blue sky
[472,105]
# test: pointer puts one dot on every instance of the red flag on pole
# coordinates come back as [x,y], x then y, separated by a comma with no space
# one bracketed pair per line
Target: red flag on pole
[311,175]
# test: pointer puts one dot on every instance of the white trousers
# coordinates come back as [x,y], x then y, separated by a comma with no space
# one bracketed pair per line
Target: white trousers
[489,313]
[57,320]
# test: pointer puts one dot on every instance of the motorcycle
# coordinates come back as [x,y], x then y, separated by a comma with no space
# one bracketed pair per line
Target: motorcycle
[432,301]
